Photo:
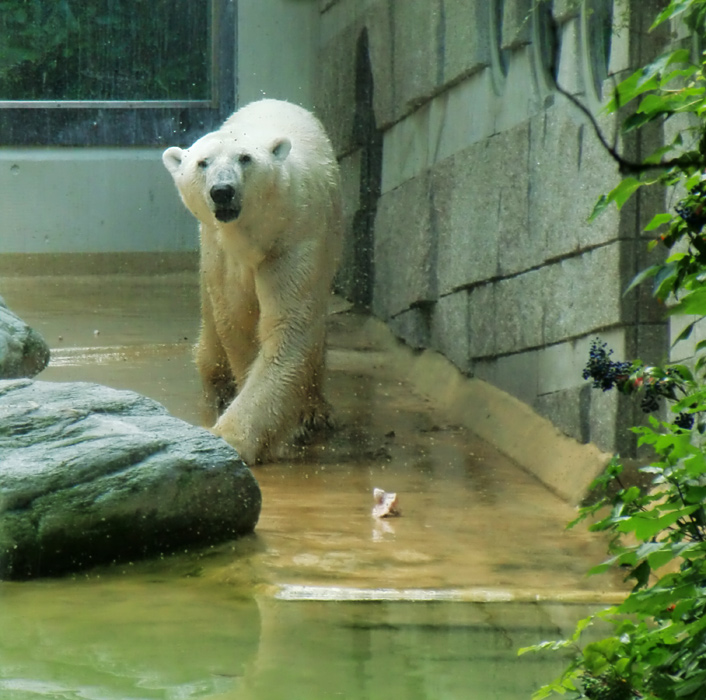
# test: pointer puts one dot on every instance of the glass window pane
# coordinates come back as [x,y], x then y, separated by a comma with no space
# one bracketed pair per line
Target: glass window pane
[105,50]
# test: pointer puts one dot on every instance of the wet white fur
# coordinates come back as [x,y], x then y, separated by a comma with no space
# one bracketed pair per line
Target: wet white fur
[266,276]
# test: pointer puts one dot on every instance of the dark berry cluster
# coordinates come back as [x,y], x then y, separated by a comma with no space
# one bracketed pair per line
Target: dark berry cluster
[693,216]
[650,400]
[608,686]
[604,372]
[684,421]
[692,210]
[656,389]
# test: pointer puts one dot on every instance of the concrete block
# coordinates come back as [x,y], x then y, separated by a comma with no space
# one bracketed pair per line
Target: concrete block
[449,329]
[519,308]
[620,45]
[379,21]
[335,96]
[465,42]
[405,149]
[567,175]
[338,15]
[517,374]
[482,316]
[570,68]
[515,30]
[652,343]
[519,96]
[466,201]
[568,410]
[517,244]
[350,184]
[456,119]
[685,349]
[564,10]
[417,63]
[350,188]
[611,415]
[405,250]
[583,293]
[413,326]
[486,370]
[447,124]
[598,175]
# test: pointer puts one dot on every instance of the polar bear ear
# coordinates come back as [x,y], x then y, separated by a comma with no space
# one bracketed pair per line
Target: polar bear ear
[172,158]
[281,148]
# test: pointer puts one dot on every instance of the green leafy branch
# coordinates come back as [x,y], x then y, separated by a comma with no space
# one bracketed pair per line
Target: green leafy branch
[657,535]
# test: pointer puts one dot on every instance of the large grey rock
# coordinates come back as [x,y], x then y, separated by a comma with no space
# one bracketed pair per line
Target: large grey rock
[23,352]
[91,475]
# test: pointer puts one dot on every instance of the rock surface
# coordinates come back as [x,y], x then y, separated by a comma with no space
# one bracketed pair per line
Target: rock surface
[91,475]
[23,352]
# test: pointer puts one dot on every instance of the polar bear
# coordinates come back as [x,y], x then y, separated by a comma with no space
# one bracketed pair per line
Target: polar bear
[265,188]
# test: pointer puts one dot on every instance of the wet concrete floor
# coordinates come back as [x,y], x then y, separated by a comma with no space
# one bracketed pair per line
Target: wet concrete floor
[474,525]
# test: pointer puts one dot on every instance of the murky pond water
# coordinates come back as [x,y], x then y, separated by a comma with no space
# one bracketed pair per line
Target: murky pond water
[323,601]
[143,637]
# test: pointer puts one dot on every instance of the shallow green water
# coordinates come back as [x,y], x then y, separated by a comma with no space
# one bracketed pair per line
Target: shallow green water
[281,615]
[150,636]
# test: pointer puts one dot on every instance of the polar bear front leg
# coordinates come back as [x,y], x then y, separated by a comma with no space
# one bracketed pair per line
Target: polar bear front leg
[218,383]
[284,381]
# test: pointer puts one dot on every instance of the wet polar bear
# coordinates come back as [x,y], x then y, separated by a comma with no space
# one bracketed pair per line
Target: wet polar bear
[265,189]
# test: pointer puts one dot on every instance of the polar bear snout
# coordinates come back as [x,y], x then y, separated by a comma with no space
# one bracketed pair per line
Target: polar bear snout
[227,203]
[222,195]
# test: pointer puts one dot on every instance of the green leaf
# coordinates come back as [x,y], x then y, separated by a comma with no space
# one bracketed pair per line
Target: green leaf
[581,625]
[684,335]
[552,645]
[658,559]
[664,279]
[635,121]
[656,105]
[598,655]
[683,371]
[619,194]
[657,221]
[641,574]
[692,303]
[599,207]
[642,276]
[647,524]
[624,190]
[674,8]
[645,79]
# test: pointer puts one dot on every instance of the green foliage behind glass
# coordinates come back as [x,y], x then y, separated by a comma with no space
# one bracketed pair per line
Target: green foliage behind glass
[105,50]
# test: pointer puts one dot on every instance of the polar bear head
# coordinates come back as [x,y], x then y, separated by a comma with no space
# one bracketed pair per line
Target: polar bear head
[224,174]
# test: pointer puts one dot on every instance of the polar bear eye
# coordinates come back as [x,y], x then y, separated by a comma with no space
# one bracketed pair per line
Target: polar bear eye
[202,164]
[245,159]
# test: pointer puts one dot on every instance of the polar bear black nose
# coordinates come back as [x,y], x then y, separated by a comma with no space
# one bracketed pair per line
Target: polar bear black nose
[222,194]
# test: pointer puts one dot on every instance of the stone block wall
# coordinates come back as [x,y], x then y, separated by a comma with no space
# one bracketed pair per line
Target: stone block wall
[469,180]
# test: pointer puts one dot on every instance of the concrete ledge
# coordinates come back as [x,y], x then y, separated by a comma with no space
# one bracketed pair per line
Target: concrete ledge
[20,264]
[561,463]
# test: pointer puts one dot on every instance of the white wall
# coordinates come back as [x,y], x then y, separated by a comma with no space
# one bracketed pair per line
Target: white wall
[90,200]
[277,50]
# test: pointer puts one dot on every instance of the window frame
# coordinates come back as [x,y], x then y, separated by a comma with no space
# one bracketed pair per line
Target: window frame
[131,122]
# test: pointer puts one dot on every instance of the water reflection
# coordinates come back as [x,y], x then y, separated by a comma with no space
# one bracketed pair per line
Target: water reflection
[155,633]
[123,638]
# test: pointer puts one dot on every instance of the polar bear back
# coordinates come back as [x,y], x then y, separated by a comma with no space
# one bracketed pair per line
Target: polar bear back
[266,120]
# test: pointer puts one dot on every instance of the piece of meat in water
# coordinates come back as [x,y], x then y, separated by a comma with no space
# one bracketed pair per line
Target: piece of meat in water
[386,504]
